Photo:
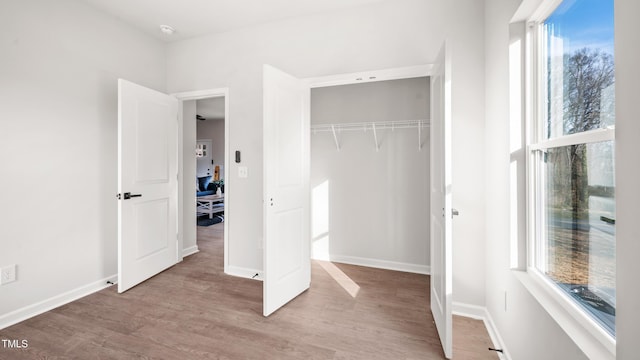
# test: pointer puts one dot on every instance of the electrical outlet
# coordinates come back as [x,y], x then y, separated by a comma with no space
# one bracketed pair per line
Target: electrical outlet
[7,274]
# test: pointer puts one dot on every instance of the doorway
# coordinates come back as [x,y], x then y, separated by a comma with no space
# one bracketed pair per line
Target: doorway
[210,164]
[289,96]
[434,267]
[370,174]
[213,105]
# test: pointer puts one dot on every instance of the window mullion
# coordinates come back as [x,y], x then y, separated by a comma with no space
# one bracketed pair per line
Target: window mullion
[586,137]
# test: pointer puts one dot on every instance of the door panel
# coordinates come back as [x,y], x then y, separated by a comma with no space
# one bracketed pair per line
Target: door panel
[147,166]
[151,143]
[287,266]
[441,244]
[154,239]
[289,227]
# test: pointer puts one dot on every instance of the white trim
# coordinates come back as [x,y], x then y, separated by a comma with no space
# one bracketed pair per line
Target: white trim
[585,137]
[201,94]
[545,9]
[51,303]
[581,328]
[468,310]
[244,272]
[190,251]
[227,166]
[370,76]
[206,94]
[496,339]
[381,264]
[481,313]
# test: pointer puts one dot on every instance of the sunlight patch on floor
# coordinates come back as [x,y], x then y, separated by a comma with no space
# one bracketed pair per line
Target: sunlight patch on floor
[341,278]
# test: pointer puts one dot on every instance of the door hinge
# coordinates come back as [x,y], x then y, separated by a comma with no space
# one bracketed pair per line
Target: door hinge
[119,196]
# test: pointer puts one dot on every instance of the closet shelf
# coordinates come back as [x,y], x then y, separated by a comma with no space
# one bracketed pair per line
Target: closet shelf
[364,126]
[335,129]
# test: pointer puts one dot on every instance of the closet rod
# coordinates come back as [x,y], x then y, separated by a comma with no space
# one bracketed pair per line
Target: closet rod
[335,129]
[364,126]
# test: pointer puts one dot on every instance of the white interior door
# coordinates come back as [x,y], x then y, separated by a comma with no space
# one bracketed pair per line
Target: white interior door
[203,160]
[441,211]
[147,183]
[287,264]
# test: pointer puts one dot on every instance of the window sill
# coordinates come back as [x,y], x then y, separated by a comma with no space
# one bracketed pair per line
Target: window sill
[594,341]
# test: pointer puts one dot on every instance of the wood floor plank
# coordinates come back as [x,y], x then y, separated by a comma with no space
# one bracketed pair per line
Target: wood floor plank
[194,311]
[471,340]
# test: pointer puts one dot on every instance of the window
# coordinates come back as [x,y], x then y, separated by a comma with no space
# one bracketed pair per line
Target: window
[572,159]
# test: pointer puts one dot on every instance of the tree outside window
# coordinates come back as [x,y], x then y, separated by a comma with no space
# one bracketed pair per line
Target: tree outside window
[577,201]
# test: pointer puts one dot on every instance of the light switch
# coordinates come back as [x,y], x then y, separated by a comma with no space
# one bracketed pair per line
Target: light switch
[243,171]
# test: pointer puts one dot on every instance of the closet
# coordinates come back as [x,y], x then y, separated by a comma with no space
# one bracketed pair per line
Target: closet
[370,174]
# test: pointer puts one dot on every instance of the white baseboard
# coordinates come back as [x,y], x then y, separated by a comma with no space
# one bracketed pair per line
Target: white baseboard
[381,264]
[244,272]
[481,313]
[467,310]
[190,251]
[30,311]
[495,336]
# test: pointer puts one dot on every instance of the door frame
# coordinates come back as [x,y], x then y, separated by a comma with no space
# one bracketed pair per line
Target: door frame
[361,77]
[199,95]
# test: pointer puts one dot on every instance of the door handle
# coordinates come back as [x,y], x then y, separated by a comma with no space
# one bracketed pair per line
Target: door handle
[129,195]
[454,212]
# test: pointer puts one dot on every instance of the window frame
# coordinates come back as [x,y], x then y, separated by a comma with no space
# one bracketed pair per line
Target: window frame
[584,330]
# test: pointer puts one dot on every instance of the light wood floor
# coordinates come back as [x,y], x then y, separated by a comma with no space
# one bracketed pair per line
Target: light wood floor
[194,311]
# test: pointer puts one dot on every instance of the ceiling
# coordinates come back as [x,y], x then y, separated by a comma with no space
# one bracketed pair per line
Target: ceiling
[198,17]
[211,108]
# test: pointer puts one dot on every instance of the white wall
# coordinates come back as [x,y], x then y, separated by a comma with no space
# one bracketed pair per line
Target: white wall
[371,207]
[58,146]
[382,35]
[467,142]
[393,100]
[627,56]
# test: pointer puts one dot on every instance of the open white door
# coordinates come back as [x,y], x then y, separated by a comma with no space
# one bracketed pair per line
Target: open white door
[441,210]
[147,183]
[287,264]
